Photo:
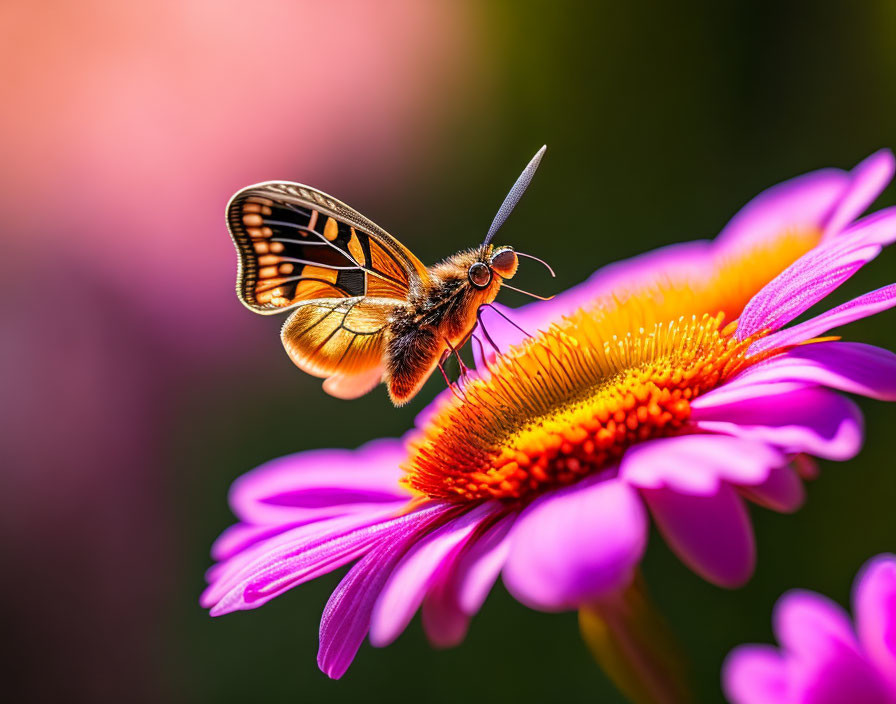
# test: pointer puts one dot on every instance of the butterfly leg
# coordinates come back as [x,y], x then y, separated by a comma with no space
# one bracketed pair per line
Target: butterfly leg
[450,384]
[526,333]
[463,367]
[475,340]
[484,331]
[498,311]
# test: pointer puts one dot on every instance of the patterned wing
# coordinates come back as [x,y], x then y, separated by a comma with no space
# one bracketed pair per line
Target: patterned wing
[342,339]
[297,244]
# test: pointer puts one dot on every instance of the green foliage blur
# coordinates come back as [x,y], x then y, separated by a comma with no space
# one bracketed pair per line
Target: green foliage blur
[661,120]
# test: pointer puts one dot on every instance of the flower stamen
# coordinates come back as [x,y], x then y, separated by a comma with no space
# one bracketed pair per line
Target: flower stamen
[567,403]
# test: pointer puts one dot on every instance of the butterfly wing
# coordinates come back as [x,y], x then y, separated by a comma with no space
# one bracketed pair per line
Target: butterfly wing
[342,339]
[296,244]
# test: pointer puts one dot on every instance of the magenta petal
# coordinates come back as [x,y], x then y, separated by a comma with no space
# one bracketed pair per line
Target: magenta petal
[827,665]
[696,464]
[845,677]
[403,593]
[862,307]
[874,605]
[444,623]
[815,421]
[846,366]
[711,534]
[873,229]
[231,576]
[271,570]
[464,583]
[820,661]
[743,397]
[812,626]
[756,674]
[346,617]
[480,566]
[802,203]
[321,483]
[816,274]
[241,536]
[867,180]
[736,392]
[781,491]
[576,544]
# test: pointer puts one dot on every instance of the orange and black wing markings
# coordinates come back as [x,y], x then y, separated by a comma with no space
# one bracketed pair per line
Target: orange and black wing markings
[296,244]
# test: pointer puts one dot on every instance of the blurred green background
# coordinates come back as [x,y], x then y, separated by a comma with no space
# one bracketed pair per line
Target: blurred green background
[661,120]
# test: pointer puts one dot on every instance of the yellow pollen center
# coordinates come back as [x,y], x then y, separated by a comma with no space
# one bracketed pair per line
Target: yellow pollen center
[567,403]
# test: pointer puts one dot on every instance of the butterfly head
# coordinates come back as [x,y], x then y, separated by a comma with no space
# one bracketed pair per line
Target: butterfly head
[501,262]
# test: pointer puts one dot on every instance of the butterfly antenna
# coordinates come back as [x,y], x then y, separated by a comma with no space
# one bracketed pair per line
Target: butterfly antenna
[541,261]
[522,183]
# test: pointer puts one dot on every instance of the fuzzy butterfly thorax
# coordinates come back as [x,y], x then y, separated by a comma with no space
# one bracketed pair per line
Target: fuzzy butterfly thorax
[439,318]
[450,294]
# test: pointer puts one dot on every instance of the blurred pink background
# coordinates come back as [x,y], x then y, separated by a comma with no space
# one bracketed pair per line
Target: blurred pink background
[127,126]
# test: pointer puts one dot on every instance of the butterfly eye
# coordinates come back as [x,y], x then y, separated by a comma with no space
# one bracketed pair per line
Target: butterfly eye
[480,275]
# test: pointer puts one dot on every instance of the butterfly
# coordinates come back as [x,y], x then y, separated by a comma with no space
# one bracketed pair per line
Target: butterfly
[364,309]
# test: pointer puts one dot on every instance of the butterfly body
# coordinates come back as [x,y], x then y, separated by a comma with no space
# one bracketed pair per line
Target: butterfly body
[363,308]
[439,318]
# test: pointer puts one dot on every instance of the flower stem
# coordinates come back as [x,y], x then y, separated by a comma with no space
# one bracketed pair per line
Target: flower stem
[632,643]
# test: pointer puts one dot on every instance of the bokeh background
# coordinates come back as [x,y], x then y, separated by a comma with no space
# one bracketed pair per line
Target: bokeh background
[135,387]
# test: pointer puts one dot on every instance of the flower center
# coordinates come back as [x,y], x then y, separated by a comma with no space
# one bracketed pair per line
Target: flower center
[567,403]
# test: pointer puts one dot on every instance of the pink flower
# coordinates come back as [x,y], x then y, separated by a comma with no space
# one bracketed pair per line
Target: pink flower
[667,385]
[822,658]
